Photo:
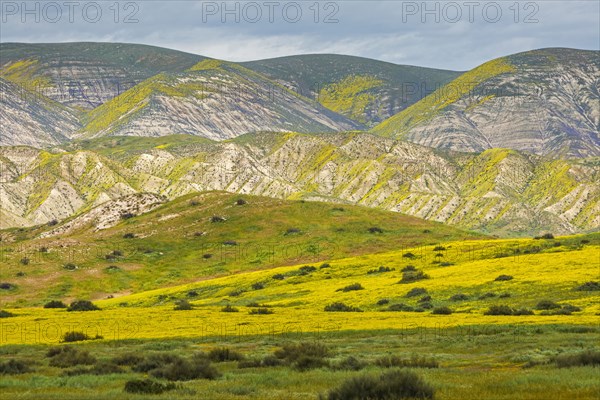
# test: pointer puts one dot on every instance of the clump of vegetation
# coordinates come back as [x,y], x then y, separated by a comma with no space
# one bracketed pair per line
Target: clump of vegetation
[278,277]
[560,309]
[591,286]
[424,299]
[380,270]
[14,367]
[129,235]
[413,362]
[7,286]
[545,236]
[487,295]
[258,285]
[180,369]
[375,229]
[230,243]
[585,358]
[382,302]
[217,219]
[393,385]
[324,265]
[400,307]
[224,354]
[101,368]
[20,273]
[260,311]
[341,307]
[147,386]
[501,278]
[350,364]
[506,310]
[229,308]
[547,305]
[70,267]
[408,268]
[129,359]
[413,276]
[25,261]
[6,314]
[505,295]
[350,288]
[192,293]
[240,202]
[127,215]
[292,231]
[442,310]
[306,269]
[409,255]
[75,336]
[439,248]
[304,355]
[67,356]
[82,305]
[236,292]
[183,305]
[416,292]
[459,297]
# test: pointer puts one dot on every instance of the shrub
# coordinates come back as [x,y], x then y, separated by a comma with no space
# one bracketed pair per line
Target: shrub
[229,308]
[13,367]
[112,268]
[350,364]
[70,267]
[324,265]
[349,288]
[230,243]
[426,305]
[522,311]
[258,286]
[307,269]
[6,314]
[66,356]
[52,222]
[341,307]
[439,248]
[547,305]
[413,276]
[24,261]
[147,386]
[499,310]
[545,236]
[224,354]
[425,299]
[129,235]
[292,231]
[185,370]
[127,215]
[408,268]
[459,297]
[74,336]
[375,229]
[416,292]
[304,363]
[183,305]
[102,368]
[260,311]
[240,202]
[585,358]
[129,359]
[217,219]
[413,362]
[7,286]
[505,295]
[251,363]
[382,302]
[501,278]
[409,255]
[236,292]
[381,269]
[43,249]
[154,361]
[206,256]
[82,305]
[297,351]
[446,264]
[400,307]
[20,273]
[393,385]
[589,287]
[192,293]
[487,296]
[442,311]
[278,277]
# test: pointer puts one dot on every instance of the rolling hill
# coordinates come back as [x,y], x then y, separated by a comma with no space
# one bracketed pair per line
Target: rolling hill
[544,102]
[365,90]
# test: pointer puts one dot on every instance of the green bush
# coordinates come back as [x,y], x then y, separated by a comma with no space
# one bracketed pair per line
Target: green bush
[501,278]
[380,270]
[393,385]
[442,311]
[224,354]
[547,305]
[129,359]
[258,286]
[147,386]
[82,305]
[240,202]
[186,370]
[382,302]
[66,356]
[153,361]
[350,364]
[459,297]
[278,277]
[400,307]
[14,367]
[183,305]
[229,308]
[304,355]
[413,362]
[585,358]
[499,310]
[6,314]
[375,229]
[74,336]
[349,288]
[416,292]
[591,286]
[408,268]
[413,276]
[217,219]
[341,307]
[102,368]
[324,265]
[260,311]
[487,296]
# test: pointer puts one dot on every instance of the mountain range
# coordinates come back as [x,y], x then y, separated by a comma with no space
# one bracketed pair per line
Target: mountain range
[509,148]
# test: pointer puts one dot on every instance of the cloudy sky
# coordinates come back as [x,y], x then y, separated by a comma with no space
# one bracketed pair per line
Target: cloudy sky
[455,35]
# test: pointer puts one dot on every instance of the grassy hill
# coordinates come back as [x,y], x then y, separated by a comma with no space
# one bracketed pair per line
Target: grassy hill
[196,237]
[365,90]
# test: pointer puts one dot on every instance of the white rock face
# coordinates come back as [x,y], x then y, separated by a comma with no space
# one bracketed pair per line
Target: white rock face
[497,191]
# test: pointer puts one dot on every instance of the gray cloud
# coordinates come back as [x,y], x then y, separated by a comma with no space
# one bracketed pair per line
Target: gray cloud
[453,35]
